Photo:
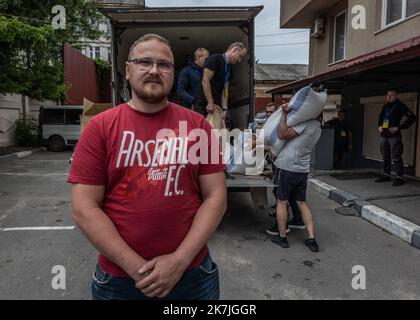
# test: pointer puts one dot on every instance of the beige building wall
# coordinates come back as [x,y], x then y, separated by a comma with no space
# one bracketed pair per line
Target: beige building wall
[374,37]
[358,42]
[292,7]
[321,50]
[298,13]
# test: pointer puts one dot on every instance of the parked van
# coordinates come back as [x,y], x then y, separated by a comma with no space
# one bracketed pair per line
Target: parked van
[60,126]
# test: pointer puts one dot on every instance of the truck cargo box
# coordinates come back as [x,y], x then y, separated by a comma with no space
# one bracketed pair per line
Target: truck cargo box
[188,28]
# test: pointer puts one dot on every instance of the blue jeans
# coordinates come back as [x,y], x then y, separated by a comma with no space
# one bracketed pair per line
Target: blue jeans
[200,283]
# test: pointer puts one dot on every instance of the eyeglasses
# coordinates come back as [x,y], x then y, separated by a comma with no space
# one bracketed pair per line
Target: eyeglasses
[147,64]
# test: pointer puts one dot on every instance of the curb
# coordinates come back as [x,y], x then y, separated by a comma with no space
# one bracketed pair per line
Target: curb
[386,220]
[22,154]
[321,187]
[342,197]
[415,241]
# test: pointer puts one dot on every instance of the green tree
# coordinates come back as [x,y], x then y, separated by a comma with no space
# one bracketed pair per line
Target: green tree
[31,50]
[29,65]
[103,69]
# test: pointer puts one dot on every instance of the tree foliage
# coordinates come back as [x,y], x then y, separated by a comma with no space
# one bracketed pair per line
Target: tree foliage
[82,17]
[103,69]
[31,50]
[29,65]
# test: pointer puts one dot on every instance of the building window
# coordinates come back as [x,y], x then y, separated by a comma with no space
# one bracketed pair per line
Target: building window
[340,36]
[393,10]
[398,10]
[94,52]
[413,7]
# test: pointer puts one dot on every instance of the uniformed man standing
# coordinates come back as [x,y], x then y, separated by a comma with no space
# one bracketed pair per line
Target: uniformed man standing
[342,137]
[390,127]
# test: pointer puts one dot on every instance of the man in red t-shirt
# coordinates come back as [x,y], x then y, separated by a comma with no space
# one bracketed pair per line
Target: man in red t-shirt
[149,199]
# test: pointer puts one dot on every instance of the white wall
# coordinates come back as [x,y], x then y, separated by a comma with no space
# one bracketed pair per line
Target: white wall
[10,110]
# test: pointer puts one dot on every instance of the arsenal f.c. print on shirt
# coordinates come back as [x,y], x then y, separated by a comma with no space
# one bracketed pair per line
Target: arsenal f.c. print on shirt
[150,165]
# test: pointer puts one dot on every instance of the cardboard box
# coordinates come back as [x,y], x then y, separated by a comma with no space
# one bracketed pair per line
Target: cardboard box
[91,109]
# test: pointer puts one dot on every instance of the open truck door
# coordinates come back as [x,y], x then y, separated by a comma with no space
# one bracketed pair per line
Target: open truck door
[187,29]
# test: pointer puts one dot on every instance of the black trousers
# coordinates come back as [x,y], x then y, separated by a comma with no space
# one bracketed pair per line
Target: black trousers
[339,151]
[392,150]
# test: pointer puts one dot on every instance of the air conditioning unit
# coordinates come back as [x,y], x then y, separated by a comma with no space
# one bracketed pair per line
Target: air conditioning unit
[317,29]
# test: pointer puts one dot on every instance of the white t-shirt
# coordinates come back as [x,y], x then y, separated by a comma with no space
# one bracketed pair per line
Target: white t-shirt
[296,153]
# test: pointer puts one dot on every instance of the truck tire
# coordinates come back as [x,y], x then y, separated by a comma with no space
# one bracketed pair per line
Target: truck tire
[56,143]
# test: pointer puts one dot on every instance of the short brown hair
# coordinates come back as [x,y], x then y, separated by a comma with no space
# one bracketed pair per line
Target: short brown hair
[271,104]
[239,45]
[148,37]
[200,52]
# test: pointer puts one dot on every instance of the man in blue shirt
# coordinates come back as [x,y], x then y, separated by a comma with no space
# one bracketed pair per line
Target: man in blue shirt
[189,79]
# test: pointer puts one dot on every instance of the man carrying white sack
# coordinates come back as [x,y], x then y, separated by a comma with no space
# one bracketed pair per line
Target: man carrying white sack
[293,163]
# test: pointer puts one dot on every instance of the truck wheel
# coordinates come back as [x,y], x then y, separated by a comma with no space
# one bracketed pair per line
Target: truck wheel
[56,143]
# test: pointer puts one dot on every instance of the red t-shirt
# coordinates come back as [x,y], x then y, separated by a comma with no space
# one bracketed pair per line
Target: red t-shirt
[152,188]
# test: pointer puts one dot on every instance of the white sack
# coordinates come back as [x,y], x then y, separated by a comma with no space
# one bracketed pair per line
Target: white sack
[305,105]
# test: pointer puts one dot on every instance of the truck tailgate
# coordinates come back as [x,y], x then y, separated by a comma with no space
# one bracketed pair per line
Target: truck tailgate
[257,186]
[244,182]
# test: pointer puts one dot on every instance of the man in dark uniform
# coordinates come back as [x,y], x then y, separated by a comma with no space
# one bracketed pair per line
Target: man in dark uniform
[389,124]
[342,137]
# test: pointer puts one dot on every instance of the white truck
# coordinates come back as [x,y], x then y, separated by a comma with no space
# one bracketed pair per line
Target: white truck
[187,29]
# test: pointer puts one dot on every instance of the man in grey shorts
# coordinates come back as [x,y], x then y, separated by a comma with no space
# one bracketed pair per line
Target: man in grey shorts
[293,163]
